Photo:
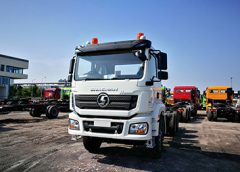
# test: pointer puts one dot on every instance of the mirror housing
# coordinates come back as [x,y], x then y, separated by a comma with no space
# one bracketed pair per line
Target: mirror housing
[162,61]
[162,75]
[193,92]
[230,91]
[70,76]
[204,93]
[71,65]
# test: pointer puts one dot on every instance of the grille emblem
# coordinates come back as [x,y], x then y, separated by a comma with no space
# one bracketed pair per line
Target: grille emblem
[103,100]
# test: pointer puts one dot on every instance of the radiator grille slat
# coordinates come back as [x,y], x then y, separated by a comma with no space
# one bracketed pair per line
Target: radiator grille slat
[117,102]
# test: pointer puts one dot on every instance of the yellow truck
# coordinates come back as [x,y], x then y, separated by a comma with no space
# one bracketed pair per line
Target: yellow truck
[219,101]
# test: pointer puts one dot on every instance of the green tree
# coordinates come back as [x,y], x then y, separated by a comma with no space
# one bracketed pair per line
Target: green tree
[13,91]
[24,92]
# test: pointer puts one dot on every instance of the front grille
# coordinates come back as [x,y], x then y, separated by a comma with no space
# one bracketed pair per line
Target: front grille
[116,128]
[116,102]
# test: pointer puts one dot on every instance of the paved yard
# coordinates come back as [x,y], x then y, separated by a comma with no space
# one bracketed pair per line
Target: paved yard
[39,144]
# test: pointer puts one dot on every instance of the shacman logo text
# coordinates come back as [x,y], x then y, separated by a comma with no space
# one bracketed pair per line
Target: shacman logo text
[103,89]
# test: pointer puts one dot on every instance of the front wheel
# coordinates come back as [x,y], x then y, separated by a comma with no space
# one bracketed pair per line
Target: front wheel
[92,144]
[156,151]
[34,112]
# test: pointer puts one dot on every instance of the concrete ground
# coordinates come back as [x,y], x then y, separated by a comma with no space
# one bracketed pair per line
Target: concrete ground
[39,144]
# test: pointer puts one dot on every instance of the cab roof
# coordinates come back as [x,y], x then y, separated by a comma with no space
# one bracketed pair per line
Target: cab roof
[185,87]
[218,87]
[102,48]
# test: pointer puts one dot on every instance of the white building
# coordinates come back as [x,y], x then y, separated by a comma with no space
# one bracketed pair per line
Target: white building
[10,68]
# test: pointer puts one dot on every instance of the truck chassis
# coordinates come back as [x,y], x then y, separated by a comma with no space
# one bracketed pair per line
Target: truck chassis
[222,110]
[36,108]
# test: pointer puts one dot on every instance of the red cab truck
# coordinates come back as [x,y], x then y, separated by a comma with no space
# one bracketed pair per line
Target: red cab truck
[52,93]
[189,98]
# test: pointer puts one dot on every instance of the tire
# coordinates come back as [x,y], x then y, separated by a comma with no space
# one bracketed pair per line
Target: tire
[35,112]
[173,124]
[162,125]
[185,116]
[156,151]
[209,115]
[214,114]
[52,112]
[92,144]
[189,115]
[237,117]
[232,117]
[177,120]
[194,112]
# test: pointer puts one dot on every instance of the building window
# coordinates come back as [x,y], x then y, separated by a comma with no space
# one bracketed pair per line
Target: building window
[12,69]
[4,80]
[18,70]
[9,69]
[2,68]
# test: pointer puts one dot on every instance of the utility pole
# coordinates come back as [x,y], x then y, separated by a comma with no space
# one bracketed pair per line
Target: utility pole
[231,81]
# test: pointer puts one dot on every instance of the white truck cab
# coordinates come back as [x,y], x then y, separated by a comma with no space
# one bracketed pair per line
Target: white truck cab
[116,95]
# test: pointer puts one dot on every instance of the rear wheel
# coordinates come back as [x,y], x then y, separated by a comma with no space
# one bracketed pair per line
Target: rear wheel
[92,144]
[185,115]
[237,117]
[214,116]
[177,120]
[194,112]
[209,115]
[52,112]
[173,124]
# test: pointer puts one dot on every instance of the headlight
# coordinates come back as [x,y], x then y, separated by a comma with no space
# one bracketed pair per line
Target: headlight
[73,124]
[138,128]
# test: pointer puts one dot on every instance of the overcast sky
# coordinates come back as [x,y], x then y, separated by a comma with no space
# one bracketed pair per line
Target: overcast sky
[201,37]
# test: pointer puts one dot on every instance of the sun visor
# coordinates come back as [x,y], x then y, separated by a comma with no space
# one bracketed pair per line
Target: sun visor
[111,47]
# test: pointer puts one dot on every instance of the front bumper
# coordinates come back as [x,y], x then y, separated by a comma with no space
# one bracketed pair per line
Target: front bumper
[103,131]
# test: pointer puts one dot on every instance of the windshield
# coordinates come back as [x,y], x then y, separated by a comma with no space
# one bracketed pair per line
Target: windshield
[110,66]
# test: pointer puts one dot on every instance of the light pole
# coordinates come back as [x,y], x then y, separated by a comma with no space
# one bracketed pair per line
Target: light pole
[231,81]
[43,79]
[32,86]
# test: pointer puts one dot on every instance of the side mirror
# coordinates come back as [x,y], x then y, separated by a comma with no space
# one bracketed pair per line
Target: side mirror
[229,91]
[192,92]
[71,66]
[71,70]
[162,61]
[204,93]
[162,75]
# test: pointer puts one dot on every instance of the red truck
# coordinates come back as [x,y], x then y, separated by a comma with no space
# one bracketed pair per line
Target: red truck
[52,93]
[188,99]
